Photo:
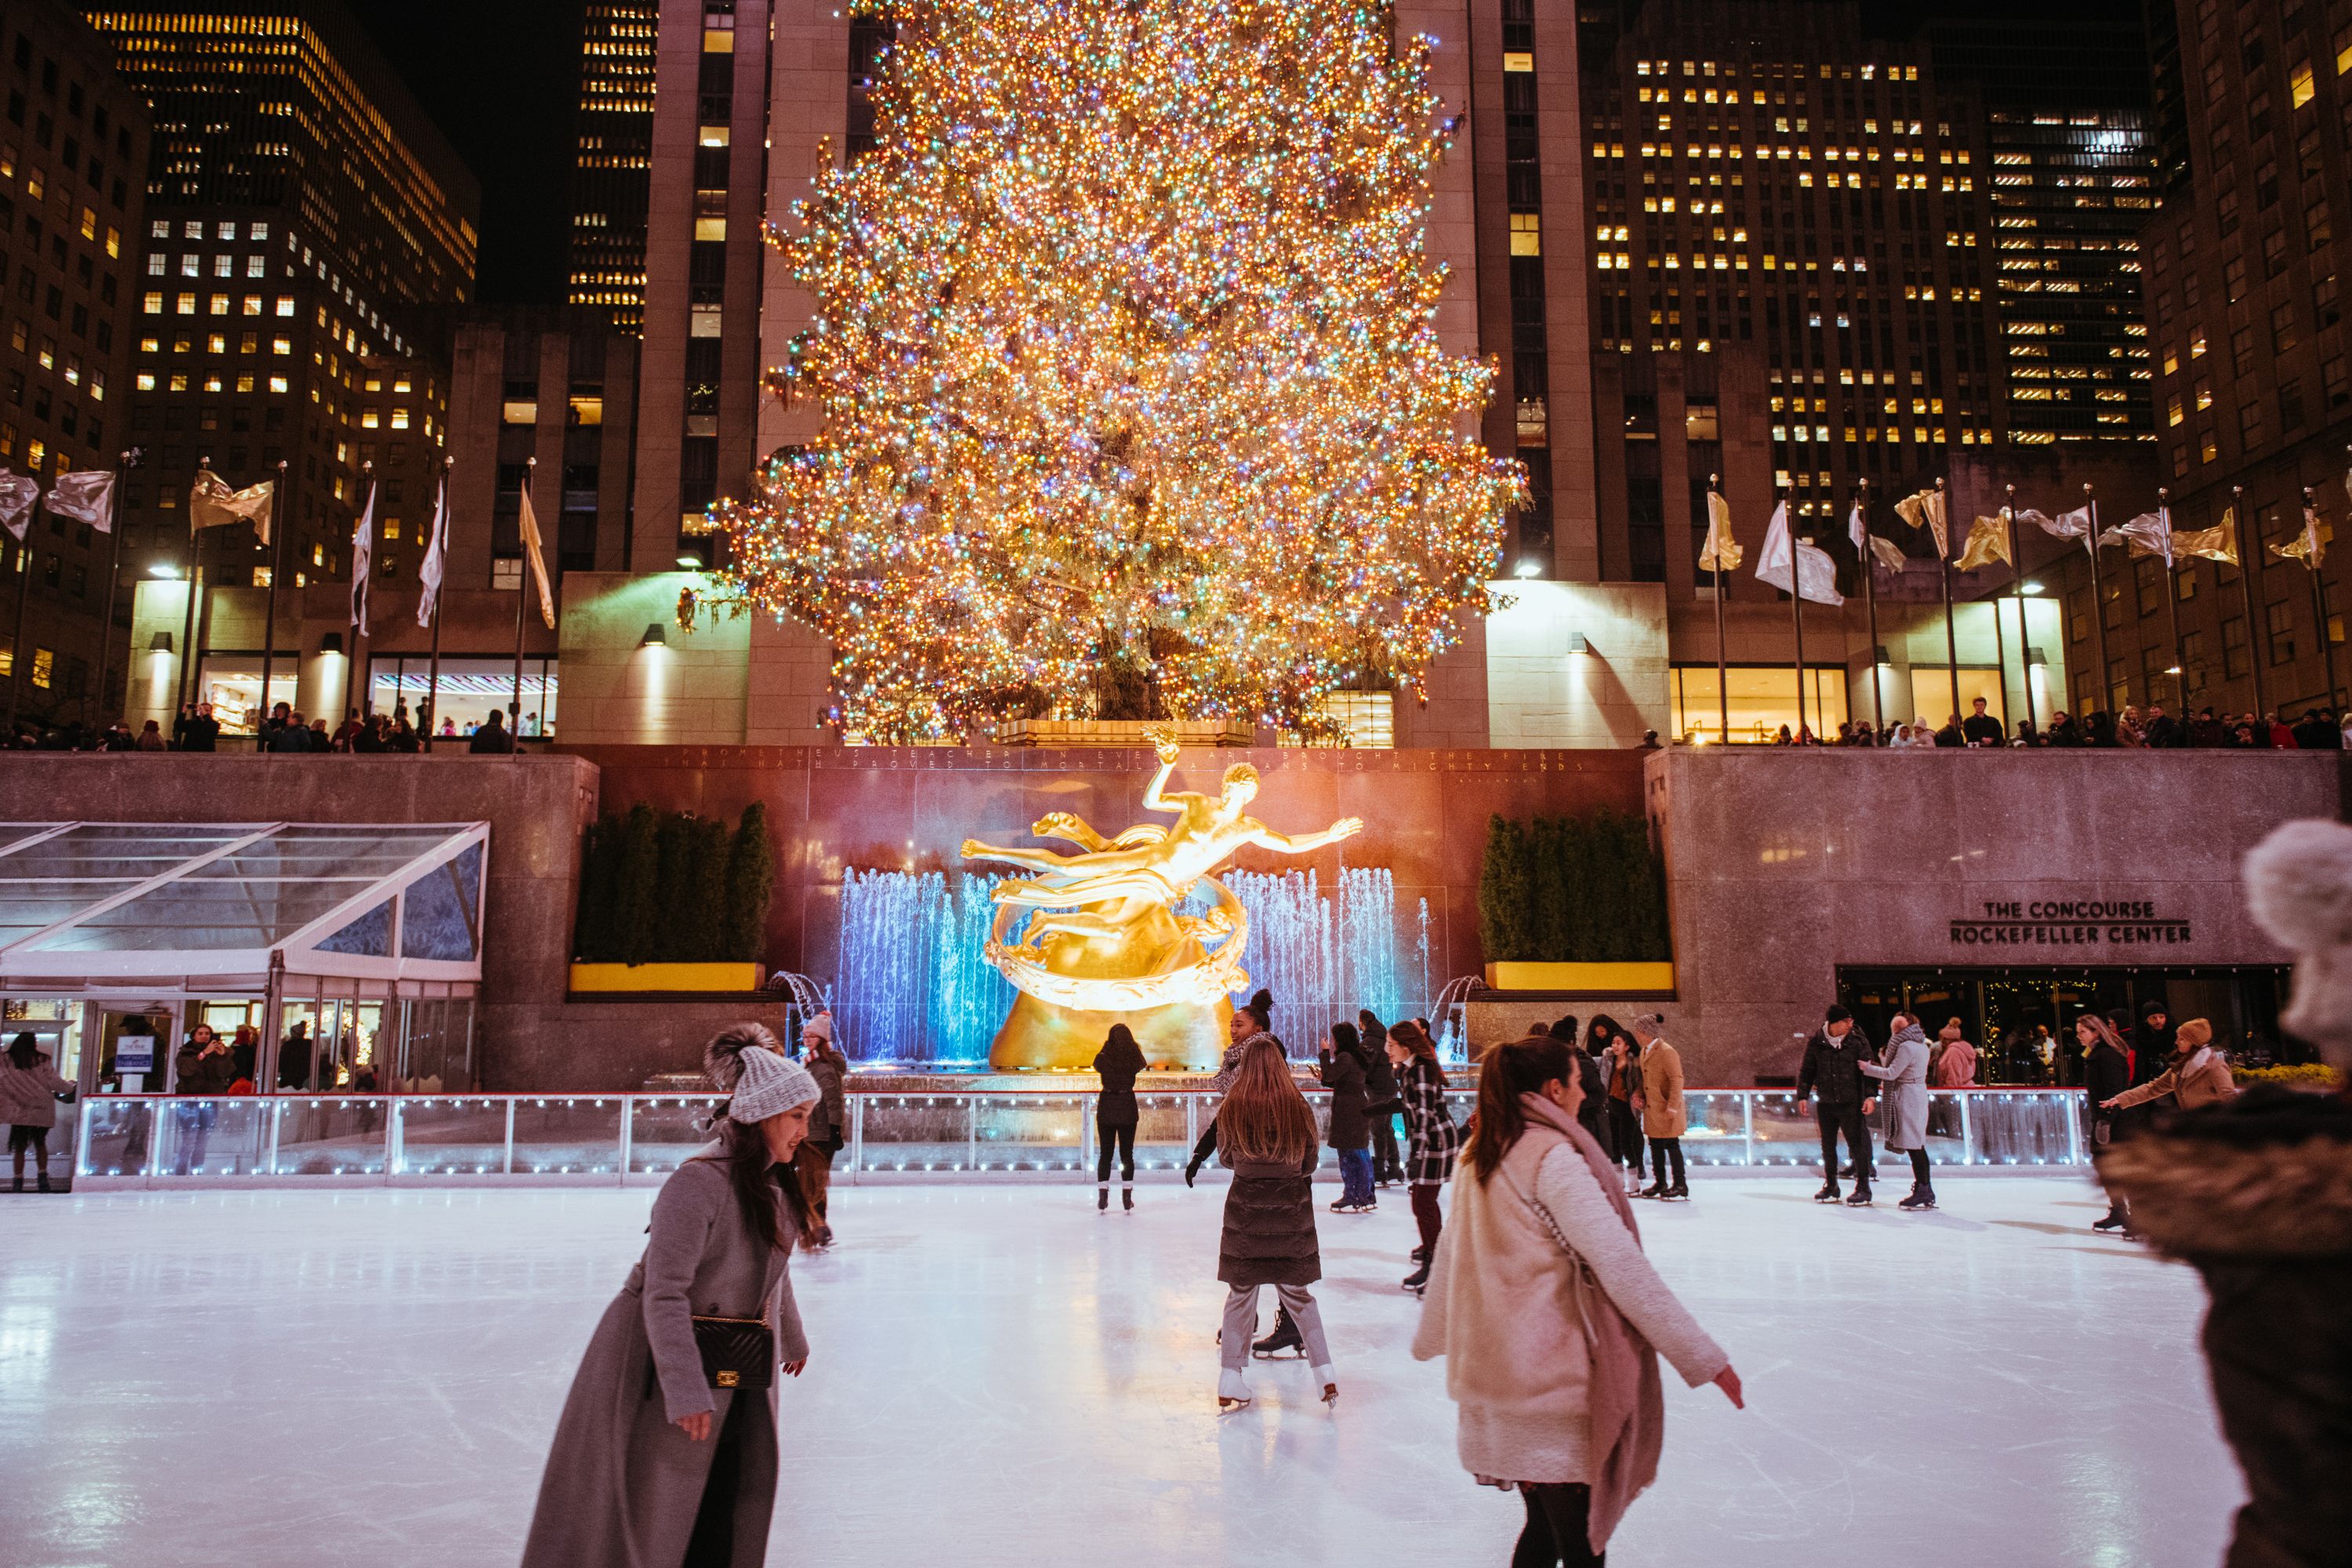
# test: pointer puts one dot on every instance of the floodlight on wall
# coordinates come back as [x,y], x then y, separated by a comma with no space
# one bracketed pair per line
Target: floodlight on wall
[165,569]
[2029,587]
[159,642]
[1880,655]
[1528,566]
[690,562]
[1577,643]
[657,635]
[331,643]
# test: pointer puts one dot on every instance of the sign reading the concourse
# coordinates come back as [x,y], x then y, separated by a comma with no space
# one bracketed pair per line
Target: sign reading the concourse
[2068,923]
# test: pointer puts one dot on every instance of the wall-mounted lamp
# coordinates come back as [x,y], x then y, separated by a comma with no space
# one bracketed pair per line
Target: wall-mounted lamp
[657,635]
[331,643]
[2029,587]
[1879,654]
[159,642]
[165,569]
[1528,567]
[1577,643]
[2037,656]
[690,562]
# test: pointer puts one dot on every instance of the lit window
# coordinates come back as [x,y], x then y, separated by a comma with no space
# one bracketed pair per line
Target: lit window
[156,265]
[220,304]
[45,663]
[276,383]
[213,382]
[400,419]
[368,419]
[2299,85]
[705,322]
[256,267]
[146,381]
[285,304]
[179,381]
[192,265]
[282,345]
[152,304]
[711,228]
[519,411]
[712,135]
[1519,61]
[223,266]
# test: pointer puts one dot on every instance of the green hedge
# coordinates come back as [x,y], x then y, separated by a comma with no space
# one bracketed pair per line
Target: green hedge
[2308,1075]
[1572,889]
[673,888]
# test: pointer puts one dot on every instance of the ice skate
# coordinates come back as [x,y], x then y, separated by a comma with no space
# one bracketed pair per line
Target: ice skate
[1127,1199]
[1418,1280]
[1678,1193]
[1828,1194]
[1657,1189]
[1330,1387]
[1922,1198]
[1286,1337]
[1861,1199]
[1232,1394]
[1102,1197]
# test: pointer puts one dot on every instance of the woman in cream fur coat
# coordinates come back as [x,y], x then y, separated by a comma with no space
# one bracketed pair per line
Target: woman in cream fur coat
[1550,1319]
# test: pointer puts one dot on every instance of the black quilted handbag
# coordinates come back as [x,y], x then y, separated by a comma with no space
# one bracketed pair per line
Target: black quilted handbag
[737,1352]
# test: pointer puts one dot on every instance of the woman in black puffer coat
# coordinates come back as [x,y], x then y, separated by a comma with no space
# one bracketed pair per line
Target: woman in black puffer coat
[1266,1134]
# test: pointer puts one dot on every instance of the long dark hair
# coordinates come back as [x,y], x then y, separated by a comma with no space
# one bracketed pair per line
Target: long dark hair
[24,1051]
[1120,1041]
[1346,1042]
[758,1181]
[1523,1067]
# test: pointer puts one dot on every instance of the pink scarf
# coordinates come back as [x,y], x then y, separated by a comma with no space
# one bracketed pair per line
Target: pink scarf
[1626,1403]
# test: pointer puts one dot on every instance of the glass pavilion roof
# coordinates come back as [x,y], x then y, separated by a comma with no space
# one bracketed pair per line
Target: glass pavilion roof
[125,899]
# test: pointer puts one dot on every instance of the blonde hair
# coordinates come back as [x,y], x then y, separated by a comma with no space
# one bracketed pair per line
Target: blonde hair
[1264,1117]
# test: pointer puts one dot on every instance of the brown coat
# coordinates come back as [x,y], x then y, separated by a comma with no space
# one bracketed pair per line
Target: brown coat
[623,1484]
[2203,1079]
[1662,1091]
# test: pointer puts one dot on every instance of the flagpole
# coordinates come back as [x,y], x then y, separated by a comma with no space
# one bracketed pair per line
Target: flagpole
[1722,667]
[2248,562]
[522,596]
[2001,662]
[1951,634]
[2319,596]
[113,576]
[351,658]
[2098,597]
[2172,605]
[1870,602]
[21,650]
[188,627]
[270,610]
[433,681]
[2024,633]
[1797,620]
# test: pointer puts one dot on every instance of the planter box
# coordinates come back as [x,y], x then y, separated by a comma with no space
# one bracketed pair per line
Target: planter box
[1125,733]
[1589,979]
[640,977]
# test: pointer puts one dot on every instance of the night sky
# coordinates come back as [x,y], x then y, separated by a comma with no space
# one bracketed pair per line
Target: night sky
[498,77]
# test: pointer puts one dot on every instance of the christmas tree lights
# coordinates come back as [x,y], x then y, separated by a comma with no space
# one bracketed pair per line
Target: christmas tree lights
[1133,400]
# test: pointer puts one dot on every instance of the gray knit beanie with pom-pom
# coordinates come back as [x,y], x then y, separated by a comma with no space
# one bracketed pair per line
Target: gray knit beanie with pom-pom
[2299,889]
[759,1079]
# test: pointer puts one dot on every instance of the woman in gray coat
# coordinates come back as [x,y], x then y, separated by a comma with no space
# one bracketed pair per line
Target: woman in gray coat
[1905,1073]
[654,1466]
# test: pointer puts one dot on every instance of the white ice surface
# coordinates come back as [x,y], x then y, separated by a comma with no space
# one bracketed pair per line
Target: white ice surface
[1002,1377]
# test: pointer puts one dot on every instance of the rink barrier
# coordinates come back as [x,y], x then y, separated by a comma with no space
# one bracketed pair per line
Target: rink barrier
[608,1140]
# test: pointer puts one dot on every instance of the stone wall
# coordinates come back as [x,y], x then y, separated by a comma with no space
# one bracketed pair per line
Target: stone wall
[1784,865]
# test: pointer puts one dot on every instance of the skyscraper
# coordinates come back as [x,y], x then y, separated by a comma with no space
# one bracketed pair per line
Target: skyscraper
[300,207]
[73,158]
[612,168]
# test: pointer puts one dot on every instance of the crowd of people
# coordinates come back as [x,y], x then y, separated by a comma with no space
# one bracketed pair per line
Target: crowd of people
[2319,729]
[285,729]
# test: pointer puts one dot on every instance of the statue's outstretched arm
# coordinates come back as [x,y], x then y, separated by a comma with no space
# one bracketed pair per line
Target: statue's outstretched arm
[1300,843]
[1163,743]
[1069,827]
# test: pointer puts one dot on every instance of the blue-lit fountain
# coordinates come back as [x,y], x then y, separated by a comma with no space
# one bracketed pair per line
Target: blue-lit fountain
[912,986]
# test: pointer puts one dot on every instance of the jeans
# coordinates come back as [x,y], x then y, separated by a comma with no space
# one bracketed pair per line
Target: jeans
[1661,1151]
[195,1131]
[1556,1528]
[1355,1175]
[1848,1119]
[1388,1161]
[1108,1135]
[1241,1324]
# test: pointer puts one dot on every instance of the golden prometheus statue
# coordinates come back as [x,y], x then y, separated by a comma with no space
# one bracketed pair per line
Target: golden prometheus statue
[1105,943]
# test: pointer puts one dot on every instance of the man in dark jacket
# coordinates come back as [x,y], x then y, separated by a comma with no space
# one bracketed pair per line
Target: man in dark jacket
[2164,732]
[1831,1074]
[1980,728]
[1592,1115]
[1382,1100]
[492,737]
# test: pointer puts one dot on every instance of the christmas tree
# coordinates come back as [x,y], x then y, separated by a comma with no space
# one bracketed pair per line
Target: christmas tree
[1133,402]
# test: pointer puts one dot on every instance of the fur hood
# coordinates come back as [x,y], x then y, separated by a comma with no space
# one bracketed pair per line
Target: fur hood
[2267,1176]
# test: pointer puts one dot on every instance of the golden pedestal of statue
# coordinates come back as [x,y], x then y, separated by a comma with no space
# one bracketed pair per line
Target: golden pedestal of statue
[1104,944]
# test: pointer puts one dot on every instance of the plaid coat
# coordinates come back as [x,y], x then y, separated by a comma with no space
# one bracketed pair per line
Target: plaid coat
[1428,1124]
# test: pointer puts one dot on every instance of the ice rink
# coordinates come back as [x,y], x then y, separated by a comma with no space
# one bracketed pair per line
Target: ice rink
[1000,1376]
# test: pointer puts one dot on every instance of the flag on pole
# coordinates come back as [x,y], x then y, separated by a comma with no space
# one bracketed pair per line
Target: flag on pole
[363,560]
[2075,524]
[212,504]
[1721,552]
[2310,546]
[2149,533]
[436,555]
[1927,508]
[19,494]
[86,494]
[530,549]
[1816,573]
[2219,542]
[1867,544]
[1987,541]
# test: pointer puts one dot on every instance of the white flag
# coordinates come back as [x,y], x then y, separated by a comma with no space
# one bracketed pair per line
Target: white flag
[2149,533]
[1721,551]
[530,549]
[2075,524]
[437,555]
[86,494]
[362,561]
[17,496]
[1867,544]
[1816,573]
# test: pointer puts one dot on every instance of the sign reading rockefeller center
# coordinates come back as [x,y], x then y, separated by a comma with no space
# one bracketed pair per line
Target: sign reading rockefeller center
[2068,923]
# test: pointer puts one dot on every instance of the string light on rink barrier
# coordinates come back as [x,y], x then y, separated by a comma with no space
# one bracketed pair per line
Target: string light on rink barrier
[1126,352]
